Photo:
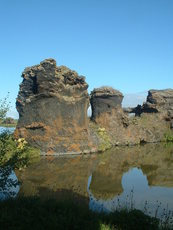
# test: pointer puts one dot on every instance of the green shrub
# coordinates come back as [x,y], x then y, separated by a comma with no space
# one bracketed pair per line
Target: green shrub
[105,140]
[16,153]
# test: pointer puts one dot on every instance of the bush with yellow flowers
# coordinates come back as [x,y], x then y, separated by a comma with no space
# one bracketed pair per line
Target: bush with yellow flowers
[16,153]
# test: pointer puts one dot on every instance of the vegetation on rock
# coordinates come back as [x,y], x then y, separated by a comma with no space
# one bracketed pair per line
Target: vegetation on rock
[168,137]
[105,140]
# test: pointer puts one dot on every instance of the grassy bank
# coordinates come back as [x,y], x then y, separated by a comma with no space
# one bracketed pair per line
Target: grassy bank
[36,213]
[8,125]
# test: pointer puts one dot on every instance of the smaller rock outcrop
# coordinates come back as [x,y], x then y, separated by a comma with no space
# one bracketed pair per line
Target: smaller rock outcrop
[108,115]
[153,119]
[103,100]
[158,101]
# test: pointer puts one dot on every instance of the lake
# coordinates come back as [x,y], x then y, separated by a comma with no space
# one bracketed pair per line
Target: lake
[139,176]
[11,129]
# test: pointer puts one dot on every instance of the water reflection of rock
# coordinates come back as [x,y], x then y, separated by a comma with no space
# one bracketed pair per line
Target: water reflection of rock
[56,174]
[156,162]
[107,170]
[105,184]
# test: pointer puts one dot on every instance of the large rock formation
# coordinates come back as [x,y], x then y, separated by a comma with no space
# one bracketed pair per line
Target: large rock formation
[53,102]
[52,105]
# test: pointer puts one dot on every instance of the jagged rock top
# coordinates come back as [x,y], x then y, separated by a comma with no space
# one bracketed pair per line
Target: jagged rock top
[47,79]
[105,92]
[52,103]
[160,97]
[49,69]
[157,101]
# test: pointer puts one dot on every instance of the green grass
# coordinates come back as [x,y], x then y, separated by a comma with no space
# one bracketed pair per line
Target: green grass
[35,213]
[8,125]
[168,137]
[105,140]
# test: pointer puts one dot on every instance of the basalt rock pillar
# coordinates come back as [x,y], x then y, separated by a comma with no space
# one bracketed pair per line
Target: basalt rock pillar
[52,105]
[104,100]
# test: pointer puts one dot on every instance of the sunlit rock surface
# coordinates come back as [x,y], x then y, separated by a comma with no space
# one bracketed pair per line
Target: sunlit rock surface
[52,105]
[53,102]
[151,124]
[103,100]
[158,101]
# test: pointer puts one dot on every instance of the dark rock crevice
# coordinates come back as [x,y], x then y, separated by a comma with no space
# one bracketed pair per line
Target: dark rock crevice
[35,85]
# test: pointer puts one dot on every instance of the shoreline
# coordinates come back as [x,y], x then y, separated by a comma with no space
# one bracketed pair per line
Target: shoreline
[8,125]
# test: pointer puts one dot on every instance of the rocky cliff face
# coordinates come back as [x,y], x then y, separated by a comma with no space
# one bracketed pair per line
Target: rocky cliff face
[117,128]
[158,101]
[53,102]
[163,100]
[107,113]
[52,105]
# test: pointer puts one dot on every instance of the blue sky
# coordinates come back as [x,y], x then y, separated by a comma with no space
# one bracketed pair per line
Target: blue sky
[127,44]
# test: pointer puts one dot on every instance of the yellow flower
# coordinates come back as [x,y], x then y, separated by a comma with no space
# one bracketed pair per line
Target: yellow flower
[21,142]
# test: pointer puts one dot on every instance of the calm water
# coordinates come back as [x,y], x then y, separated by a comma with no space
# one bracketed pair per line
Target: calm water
[11,129]
[140,177]
[119,177]
[8,180]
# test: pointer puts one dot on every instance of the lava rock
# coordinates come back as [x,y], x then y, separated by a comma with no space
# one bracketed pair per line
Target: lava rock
[157,101]
[103,100]
[52,105]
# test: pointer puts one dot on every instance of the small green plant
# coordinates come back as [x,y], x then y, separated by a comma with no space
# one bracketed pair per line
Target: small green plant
[168,137]
[105,140]
[106,227]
